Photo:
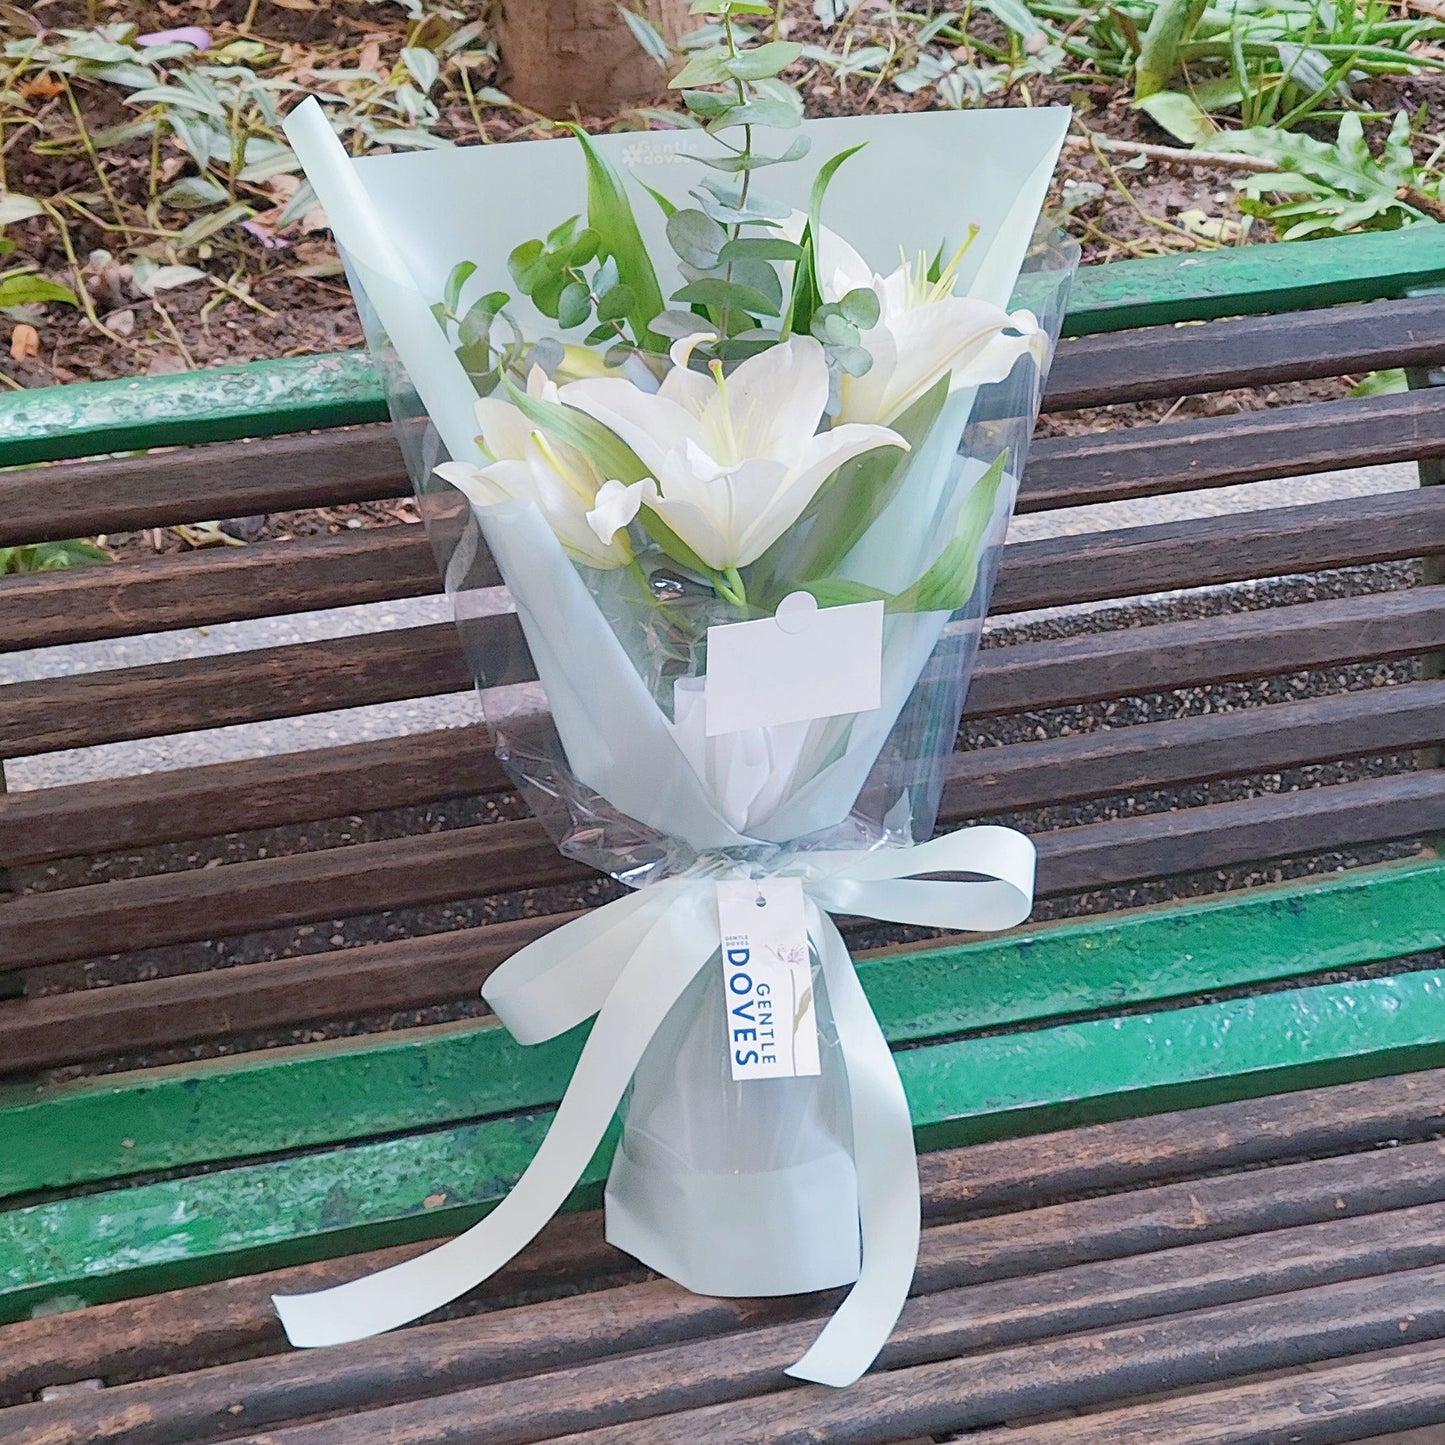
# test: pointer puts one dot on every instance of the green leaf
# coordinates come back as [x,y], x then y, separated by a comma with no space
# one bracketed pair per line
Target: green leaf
[763,61]
[1170,26]
[735,165]
[25,288]
[716,293]
[706,68]
[609,213]
[523,259]
[949,583]
[476,325]
[861,308]
[777,114]
[616,304]
[560,237]
[195,192]
[666,206]
[574,305]
[462,272]
[760,248]
[647,35]
[584,248]
[706,103]
[1381,383]
[696,238]
[857,493]
[1179,115]
[612,456]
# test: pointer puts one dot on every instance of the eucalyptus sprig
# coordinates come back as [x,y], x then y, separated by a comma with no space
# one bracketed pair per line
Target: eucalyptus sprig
[732,284]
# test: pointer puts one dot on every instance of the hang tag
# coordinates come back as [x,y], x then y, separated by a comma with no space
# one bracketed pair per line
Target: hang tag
[772,1026]
[806,662]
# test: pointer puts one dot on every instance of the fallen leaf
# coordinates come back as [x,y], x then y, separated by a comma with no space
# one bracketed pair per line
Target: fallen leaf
[45,87]
[296,4]
[370,57]
[121,322]
[184,35]
[24,342]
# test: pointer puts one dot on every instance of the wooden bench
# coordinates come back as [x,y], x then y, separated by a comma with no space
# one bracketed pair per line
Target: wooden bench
[207,1099]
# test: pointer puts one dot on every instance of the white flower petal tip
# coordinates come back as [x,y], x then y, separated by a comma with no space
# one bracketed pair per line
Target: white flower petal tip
[681,350]
[616,505]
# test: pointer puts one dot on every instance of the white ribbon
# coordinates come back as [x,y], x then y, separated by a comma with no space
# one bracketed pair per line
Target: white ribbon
[628,963]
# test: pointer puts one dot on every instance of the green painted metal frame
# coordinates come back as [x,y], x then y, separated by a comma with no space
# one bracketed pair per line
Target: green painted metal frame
[271,398]
[466,1107]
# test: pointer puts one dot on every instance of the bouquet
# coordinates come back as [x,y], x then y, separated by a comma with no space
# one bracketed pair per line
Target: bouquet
[741,437]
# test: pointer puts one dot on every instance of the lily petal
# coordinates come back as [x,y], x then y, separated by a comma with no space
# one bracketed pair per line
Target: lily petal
[616,504]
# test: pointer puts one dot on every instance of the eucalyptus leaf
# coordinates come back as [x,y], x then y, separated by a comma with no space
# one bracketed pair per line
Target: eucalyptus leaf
[720,294]
[861,307]
[696,238]
[574,305]
[616,304]
[776,114]
[763,60]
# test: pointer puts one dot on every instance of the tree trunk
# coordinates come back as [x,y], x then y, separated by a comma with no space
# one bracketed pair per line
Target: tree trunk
[566,56]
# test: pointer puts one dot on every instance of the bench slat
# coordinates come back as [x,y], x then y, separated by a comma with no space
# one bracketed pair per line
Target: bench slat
[143,1237]
[1126,760]
[1024,1180]
[647,1322]
[385,564]
[239,479]
[242,796]
[424,1078]
[1321,436]
[1062,471]
[1348,1400]
[1160,363]
[85,709]
[1067,1372]
[465,863]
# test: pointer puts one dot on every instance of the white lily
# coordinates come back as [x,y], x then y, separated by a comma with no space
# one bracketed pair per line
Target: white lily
[924,331]
[733,459]
[526,463]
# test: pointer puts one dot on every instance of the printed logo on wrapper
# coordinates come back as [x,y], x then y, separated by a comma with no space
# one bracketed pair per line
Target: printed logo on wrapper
[804,663]
[772,1026]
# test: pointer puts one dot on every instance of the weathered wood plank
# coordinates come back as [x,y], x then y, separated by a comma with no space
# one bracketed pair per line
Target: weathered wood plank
[231,479]
[384,564]
[1228,648]
[1403,1390]
[165,698]
[244,795]
[200,589]
[525,1345]
[1290,441]
[1127,760]
[1174,1352]
[1009,1187]
[107,918]
[1161,362]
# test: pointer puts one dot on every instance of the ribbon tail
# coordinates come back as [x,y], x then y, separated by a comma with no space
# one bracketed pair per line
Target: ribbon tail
[666,961]
[888,1191]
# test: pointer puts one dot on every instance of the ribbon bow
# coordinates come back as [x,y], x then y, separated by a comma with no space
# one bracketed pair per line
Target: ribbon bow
[628,963]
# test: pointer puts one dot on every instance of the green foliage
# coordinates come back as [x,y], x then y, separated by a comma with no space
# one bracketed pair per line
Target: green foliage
[50,557]
[1334,186]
